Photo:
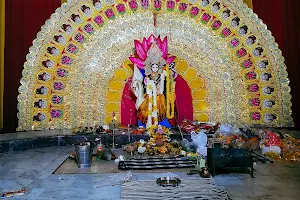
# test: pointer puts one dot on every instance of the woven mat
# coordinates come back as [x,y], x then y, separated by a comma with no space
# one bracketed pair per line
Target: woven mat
[201,188]
[155,163]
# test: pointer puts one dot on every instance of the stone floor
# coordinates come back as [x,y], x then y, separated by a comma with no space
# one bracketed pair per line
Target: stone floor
[33,170]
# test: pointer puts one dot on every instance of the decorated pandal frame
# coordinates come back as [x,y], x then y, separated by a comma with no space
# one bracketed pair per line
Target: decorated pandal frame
[78,67]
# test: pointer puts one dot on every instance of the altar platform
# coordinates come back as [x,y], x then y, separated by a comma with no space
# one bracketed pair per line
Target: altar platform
[45,138]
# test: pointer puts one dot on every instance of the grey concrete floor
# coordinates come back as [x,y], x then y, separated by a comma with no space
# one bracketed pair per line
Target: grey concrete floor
[32,169]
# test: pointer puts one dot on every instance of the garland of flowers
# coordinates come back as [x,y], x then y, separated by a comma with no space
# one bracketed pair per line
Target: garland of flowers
[170,94]
[152,104]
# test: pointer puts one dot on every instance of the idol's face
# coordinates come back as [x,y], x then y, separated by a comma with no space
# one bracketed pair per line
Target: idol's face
[215,8]
[234,23]
[242,31]
[154,68]
[225,15]
[97,4]
[54,51]
[61,39]
[268,104]
[69,29]
[265,77]
[46,76]
[205,2]
[77,19]
[261,65]
[256,52]
[249,41]
[49,63]
[269,117]
[267,90]
[87,11]
[42,103]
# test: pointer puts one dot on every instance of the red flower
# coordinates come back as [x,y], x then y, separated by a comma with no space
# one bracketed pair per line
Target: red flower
[226,32]
[170,5]
[182,7]
[109,13]
[133,4]
[194,11]
[98,20]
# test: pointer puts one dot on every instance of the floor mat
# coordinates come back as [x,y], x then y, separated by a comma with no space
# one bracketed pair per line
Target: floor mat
[201,188]
[155,163]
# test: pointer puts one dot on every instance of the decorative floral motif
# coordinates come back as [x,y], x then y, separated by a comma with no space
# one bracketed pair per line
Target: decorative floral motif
[205,18]
[58,86]
[255,116]
[194,11]
[72,48]
[121,8]
[145,3]
[56,113]
[66,60]
[98,20]
[216,25]
[56,99]
[241,52]
[247,64]
[157,5]
[253,87]
[250,75]
[234,43]
[89,29]
[170,5]
[133,5]
[110,13]
[182,7]
[61,73]
[225,32]
[254,102]
[79,38]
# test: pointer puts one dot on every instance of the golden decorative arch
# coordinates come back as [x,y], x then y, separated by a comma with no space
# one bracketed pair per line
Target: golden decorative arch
[75,55]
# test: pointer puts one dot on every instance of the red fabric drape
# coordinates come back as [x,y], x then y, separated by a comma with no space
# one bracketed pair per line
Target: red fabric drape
[270,12]
[23,20]
[283,20]
[291,50]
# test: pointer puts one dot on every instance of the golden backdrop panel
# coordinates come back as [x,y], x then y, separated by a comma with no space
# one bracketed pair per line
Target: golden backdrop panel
[227,45]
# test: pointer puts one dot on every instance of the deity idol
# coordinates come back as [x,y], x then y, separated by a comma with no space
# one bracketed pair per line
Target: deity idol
[155,91]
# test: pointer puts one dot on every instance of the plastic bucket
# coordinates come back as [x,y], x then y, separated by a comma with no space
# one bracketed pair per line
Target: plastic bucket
[84,154]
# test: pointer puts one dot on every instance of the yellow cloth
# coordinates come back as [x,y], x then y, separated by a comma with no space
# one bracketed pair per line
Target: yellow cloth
[142,113]
[249,3]
[63,1]
[2,40]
